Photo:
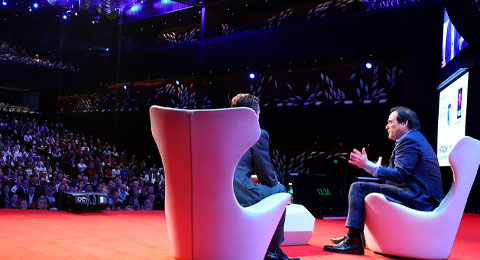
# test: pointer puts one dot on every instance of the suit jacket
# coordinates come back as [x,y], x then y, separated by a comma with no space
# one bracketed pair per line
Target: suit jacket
[21,193]
[413,173]
[255,161]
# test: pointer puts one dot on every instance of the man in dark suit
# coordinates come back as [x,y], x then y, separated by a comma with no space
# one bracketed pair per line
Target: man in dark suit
[255,179]
[22,191]
[412,178]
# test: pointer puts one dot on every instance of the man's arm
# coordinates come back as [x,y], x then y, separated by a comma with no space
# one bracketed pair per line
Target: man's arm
[261,160]
[406,158]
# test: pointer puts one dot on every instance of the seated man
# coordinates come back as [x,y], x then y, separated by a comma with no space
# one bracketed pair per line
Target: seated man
[256,161]
[412,178]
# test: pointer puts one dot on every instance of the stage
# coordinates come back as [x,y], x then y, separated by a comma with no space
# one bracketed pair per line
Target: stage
[35,234]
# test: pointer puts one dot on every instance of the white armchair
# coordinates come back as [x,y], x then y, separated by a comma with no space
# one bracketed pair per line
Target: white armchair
[393,229]
[200,150]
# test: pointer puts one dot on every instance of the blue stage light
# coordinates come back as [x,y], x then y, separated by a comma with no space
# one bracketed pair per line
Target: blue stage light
[166,2]
[35,5]
[251,75]
[135,8]
[177,82]
[64,17]
[4,3]
[368,65]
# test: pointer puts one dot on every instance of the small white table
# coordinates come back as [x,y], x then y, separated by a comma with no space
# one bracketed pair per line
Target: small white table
[299,225]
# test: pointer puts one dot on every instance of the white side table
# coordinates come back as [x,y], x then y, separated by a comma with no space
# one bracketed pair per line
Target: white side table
[299,225]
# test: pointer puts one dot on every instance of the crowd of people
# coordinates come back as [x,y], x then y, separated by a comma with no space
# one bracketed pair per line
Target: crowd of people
[39,160]
[11,52]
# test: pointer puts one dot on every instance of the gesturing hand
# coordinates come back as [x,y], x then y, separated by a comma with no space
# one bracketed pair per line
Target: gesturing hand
[358,158]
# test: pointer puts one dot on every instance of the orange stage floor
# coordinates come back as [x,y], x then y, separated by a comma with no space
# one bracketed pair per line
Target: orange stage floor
[136,235]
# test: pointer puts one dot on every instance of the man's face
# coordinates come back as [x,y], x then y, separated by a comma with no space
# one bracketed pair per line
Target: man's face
[394,128]
[41,203]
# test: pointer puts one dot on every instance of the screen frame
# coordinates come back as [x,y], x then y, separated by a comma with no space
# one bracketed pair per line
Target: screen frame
[445,84]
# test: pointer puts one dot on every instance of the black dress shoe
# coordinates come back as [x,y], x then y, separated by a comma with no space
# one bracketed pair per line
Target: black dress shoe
[338,240]
[278,254]
[347,246]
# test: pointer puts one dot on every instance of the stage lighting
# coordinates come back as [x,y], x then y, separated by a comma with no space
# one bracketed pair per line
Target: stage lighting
[4,3]
[64,17]
[35,5]
[251,75]
[177,82]
[125,87]
[368,65]
[135,8]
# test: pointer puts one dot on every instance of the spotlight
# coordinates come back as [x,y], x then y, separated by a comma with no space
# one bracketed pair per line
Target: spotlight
[177,82]
[135,8]
[4,3]
[35,5]
[368,65]
[107,49]
[251,75]
[125,87]
[64,17]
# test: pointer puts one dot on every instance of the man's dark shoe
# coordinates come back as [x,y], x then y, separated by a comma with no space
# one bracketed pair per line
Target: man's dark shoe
[338,240]
[278,254]
[347,246]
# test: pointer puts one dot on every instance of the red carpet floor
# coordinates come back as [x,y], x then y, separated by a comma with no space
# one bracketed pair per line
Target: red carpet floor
[31,234]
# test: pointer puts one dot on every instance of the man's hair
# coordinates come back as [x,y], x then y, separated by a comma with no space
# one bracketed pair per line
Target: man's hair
[246,100]
[406,114]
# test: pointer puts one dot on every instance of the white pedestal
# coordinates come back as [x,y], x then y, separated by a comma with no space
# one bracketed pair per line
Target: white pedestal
[299,225]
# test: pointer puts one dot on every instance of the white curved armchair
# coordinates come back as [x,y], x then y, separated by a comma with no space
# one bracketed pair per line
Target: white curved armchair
[393,229]
[200,150]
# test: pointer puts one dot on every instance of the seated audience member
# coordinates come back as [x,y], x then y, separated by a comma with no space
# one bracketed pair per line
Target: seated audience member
[122,192]
[13,202]
[5,196]
[31,196]
[51,198]
[22,203]
[412,178]
[40,203]
[134,198]
[22,190]
[147,205]
[257,161]
[118,205]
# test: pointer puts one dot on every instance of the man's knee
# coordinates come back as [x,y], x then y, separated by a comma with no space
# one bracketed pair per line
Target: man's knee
[355,188]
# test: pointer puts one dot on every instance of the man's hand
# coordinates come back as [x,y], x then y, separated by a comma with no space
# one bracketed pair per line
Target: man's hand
[358,158]
[255,179]
[379,162]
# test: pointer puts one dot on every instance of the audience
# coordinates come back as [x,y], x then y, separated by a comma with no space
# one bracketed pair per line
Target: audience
[39,160]
[11,52]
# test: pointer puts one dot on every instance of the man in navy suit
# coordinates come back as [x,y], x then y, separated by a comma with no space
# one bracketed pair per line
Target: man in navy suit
[254,178]
[412,178]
